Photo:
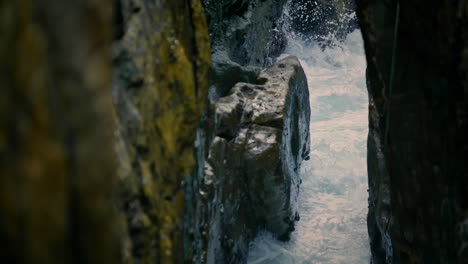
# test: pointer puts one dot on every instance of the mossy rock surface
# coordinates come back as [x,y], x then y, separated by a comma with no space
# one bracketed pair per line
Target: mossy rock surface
[162,59]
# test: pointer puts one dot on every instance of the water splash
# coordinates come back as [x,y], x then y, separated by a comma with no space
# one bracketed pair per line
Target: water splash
[333,199]
[324,22]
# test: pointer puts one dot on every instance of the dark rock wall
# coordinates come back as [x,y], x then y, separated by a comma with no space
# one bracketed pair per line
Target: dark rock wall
[243,30]
[246,35]
[57,166]
[161,59]
[419,179]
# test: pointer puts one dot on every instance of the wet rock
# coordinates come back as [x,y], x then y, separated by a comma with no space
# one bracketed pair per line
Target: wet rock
[262,132]
[246,35]
[243,29]
[417,145]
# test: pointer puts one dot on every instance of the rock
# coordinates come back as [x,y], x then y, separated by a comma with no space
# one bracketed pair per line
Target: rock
[57,130]
[250,178]
[246,35]
[57,162]
[243,29]
[418,180]
[161,60]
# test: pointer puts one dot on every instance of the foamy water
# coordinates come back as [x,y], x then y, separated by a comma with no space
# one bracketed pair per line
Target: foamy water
[333,198]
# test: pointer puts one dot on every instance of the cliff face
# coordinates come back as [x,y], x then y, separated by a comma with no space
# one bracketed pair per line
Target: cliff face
[162,59]
[57,168]
[418,175]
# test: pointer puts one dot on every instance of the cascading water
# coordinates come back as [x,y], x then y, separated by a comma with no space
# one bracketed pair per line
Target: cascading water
[333,199]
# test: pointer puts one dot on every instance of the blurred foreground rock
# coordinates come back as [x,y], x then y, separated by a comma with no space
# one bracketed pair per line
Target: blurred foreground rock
[57,166]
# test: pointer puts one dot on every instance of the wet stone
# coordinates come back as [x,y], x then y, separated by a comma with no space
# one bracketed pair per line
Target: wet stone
[260,141]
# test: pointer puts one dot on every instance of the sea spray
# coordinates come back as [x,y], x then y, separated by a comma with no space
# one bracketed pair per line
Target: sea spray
[333,196]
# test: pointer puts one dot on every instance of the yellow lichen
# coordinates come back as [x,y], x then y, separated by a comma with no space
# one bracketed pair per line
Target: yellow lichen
[174,66]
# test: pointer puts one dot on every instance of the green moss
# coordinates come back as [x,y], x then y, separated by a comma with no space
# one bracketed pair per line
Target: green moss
[174,66]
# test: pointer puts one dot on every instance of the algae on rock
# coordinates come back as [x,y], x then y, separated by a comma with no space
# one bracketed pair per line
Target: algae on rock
[162,58]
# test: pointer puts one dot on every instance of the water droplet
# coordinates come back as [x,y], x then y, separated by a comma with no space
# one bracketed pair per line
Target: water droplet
[202,193]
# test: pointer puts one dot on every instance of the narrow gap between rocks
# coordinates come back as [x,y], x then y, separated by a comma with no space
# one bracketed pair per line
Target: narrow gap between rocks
[333,194]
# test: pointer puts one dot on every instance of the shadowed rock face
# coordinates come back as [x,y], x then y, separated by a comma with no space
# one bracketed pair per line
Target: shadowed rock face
[250,178]
[57,162]
[246,35]
[419,180]
[243,29]
[162,58]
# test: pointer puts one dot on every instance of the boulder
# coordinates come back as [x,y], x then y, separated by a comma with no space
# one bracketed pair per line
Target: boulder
[250,178]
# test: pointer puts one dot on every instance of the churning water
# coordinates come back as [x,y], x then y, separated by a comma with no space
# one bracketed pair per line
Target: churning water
[333,198]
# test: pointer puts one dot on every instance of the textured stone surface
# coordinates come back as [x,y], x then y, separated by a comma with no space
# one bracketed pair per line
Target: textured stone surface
[250,178]
[246,35]
[243,29]
[162,59]
[57,169]
[418,181]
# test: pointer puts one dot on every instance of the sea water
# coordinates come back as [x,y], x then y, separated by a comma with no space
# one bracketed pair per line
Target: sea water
[333,196]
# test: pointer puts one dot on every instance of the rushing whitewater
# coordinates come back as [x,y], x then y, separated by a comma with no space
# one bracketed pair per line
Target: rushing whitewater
[333,200]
